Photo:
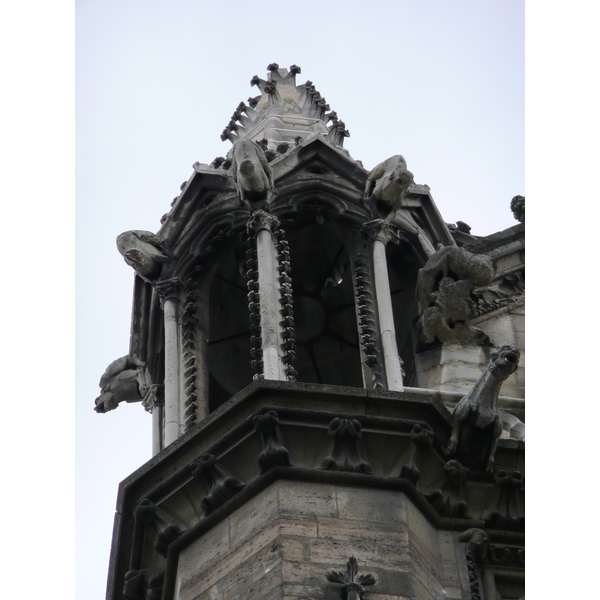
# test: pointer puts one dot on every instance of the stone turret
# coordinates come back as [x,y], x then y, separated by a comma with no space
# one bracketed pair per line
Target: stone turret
[301,330]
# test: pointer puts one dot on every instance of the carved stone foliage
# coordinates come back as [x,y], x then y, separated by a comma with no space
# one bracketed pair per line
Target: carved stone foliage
[141,251]
[125,380]
[221,484]
[353,584]
[508,290]
[251,172]
[189,323]
[274,453]
[421,438]
[254,303]
[388,183]
[477,420]
[147,512]
[449,501]
[288,334]
[345,455]
[444,287]
[510,511]
[368,336]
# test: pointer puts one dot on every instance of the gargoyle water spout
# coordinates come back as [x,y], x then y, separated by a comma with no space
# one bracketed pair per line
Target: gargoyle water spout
[477,420]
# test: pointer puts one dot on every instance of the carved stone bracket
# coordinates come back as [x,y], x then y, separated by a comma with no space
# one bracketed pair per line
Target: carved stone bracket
[154,397]
[139,585]
[147,512]
[353,584]
[421,439]
[221,484]
[345,455]
[274,453]
[510,512]
[449,501]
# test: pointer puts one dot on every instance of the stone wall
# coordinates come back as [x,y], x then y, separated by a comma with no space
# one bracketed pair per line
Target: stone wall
[282,542]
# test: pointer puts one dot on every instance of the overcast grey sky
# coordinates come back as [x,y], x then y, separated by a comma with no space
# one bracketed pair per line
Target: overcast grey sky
[440,82]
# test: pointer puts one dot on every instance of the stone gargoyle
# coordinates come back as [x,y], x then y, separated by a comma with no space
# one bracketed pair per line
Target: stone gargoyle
[251,171]
[477,421]
[141,251]
[444,302]
[125,380]
[388,183]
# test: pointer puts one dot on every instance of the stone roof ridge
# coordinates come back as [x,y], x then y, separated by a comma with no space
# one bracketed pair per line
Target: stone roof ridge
[284,111]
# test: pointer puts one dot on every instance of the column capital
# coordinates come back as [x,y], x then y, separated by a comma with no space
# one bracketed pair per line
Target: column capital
[168,289]
[262,220]
[153,397]
[381,230]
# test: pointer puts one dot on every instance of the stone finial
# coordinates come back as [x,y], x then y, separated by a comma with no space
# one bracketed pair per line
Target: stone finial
[353,585]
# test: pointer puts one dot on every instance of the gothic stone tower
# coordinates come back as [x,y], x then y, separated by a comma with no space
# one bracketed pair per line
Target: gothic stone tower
[335,378]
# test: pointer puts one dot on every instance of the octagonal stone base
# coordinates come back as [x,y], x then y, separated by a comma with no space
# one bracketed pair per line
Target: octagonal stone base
[281,543]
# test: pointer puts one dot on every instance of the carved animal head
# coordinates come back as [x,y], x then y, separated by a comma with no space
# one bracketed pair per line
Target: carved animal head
[504,362]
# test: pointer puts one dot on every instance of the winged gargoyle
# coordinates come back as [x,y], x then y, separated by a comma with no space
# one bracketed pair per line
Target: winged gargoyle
[477,420]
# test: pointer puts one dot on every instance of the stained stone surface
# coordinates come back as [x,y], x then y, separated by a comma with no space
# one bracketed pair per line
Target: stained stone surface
[280,544]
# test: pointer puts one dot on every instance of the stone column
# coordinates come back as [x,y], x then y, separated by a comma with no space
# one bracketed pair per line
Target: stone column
[170,302]
[269,292]
[392,360]
[154,403]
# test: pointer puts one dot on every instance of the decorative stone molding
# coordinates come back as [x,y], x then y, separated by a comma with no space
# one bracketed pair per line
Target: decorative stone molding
[154,397]
[221,484]
[147,512]
[345,455]
[449,501]
[510,510]
[421,438]
[169,289]
[477,543]
[155,586]
[274,453]
[353,585]
[288,334]
[189,323]
[134,588]
[369,339]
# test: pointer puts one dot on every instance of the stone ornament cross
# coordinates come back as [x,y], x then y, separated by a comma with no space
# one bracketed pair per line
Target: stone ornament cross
[352,583]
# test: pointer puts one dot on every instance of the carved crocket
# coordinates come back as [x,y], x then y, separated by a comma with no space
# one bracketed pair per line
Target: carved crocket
[477,420]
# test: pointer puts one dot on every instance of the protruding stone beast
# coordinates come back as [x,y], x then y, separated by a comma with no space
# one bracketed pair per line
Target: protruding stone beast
[125,380]
[251,172]
[141,251]
[477,420]
[388,183]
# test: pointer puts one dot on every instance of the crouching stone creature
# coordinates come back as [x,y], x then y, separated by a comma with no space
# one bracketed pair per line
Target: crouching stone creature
[444,287]
[388,183]
[251,172]
[141,251]
[477,420]
[125,380]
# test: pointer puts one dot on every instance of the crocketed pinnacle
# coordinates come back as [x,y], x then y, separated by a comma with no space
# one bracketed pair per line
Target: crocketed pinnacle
[284,112]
